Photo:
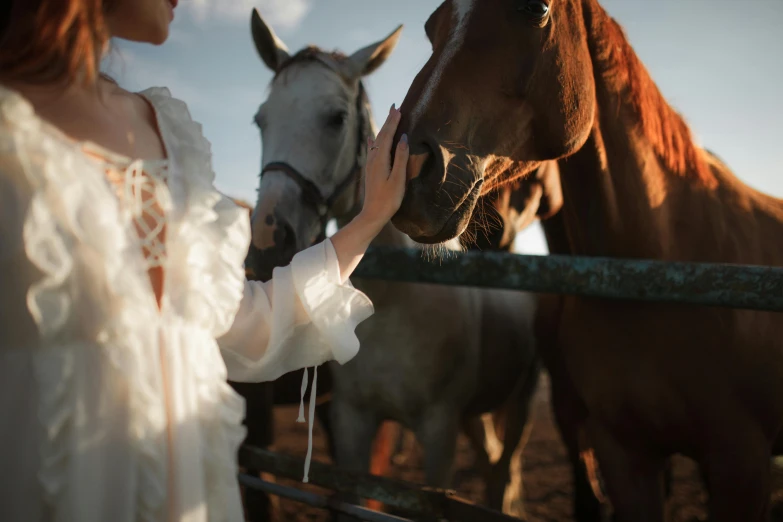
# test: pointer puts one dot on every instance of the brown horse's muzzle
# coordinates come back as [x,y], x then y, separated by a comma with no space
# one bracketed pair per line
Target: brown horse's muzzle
[441,192]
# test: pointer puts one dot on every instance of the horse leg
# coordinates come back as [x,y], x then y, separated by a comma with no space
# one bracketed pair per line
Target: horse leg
[483,440]
[586,505]
[738,477]
[405,448]
[567,409]
[633,477]
[354,430]
[380,458]
[323,412]
[438,434]
[504,490]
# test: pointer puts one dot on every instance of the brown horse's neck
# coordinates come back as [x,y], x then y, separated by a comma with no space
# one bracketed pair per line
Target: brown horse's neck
[625,86]
[639,177]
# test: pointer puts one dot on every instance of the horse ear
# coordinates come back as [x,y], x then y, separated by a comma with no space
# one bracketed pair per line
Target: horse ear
[270,48]
[368,59]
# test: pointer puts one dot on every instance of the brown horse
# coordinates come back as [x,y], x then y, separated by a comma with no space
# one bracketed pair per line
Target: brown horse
[558,80]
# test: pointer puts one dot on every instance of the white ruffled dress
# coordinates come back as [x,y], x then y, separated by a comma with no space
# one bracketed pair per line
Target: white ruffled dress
[112,409]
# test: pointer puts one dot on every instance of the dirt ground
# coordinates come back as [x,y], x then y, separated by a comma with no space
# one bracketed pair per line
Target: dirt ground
[546,472]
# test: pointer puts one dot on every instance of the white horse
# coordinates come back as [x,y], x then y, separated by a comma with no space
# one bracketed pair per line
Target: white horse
[433,358]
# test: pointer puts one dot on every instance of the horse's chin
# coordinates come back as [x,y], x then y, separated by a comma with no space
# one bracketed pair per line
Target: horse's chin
[456,224]
[435,251]
[451,231]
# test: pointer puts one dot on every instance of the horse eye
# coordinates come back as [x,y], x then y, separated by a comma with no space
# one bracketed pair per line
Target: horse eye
[337,119]
[536,9]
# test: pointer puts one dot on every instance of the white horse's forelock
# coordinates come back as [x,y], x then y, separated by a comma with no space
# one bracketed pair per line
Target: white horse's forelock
[461,10]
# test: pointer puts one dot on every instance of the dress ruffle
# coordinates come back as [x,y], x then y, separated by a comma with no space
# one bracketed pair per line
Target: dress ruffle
[213,236]
[212,240]
[73,222]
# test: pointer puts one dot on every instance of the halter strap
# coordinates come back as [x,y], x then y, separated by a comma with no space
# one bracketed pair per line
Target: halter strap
[311,194]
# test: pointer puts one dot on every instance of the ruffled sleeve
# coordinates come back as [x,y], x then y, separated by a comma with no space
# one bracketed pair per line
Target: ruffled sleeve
[304,316]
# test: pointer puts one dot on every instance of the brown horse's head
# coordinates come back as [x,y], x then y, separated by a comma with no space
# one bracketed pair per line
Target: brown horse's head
[508,86]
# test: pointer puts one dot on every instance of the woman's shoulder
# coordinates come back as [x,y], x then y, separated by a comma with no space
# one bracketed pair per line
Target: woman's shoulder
[183,135]
[173,109]
[15,110]
[25,142]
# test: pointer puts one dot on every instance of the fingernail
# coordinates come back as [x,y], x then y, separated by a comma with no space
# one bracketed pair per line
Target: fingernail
[404,141]
[392,107]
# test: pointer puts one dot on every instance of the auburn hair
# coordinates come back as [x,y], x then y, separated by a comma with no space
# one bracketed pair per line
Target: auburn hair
[47,41]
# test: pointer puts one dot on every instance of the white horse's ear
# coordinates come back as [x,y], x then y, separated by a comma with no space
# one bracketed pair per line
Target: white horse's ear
[368,59]
[270,48]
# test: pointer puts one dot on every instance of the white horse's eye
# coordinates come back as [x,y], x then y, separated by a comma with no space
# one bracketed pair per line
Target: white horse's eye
[337,119]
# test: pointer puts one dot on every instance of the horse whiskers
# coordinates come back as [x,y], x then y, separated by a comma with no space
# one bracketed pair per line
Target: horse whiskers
[440,251]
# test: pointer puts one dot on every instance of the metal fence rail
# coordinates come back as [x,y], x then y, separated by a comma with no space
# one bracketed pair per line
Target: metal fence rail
[724,285]
[426,503]
[319,501]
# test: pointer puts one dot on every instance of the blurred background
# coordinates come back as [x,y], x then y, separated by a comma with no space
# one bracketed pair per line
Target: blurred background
[714,60]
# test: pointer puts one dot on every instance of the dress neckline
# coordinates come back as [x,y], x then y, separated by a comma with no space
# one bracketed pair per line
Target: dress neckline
[94,150]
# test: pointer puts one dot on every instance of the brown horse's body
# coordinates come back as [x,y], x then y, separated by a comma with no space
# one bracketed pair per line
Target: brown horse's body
[659,379]
[639,381]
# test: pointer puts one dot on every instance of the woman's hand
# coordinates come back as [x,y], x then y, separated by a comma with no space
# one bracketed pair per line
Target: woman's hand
[384,184]
[384,188]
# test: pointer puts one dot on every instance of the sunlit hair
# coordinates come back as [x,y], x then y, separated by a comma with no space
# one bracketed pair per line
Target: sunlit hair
[52,41]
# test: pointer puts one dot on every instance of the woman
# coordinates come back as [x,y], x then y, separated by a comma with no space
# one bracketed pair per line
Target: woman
[121,269]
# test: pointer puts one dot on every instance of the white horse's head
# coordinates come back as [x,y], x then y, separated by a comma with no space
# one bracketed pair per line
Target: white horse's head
[314,127]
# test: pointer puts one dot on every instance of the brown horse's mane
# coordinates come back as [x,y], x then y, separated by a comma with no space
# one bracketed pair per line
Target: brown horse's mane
[623,72]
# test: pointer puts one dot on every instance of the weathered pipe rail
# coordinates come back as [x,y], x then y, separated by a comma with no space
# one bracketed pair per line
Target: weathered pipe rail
[426,504]
[319,501]
[724,285]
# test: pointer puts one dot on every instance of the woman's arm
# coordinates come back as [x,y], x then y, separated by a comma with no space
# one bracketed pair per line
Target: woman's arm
[384,190]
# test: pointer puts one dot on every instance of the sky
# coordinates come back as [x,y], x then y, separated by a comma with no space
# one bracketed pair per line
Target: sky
[714,61]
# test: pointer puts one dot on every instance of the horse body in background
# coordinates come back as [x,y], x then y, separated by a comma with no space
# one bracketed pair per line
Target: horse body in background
[432,357]
[641,381]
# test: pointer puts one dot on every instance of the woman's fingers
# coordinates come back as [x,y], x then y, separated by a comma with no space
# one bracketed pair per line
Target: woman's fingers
[384,139]
[400,159]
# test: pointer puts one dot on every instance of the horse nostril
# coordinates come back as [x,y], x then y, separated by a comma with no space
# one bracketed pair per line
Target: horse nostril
[421,161]
[415,164]
[285,237]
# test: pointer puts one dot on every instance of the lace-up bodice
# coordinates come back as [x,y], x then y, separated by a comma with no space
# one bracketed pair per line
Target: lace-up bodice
[140,187]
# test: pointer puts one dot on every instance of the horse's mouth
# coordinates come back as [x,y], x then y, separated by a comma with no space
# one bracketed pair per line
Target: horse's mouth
[458,221]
